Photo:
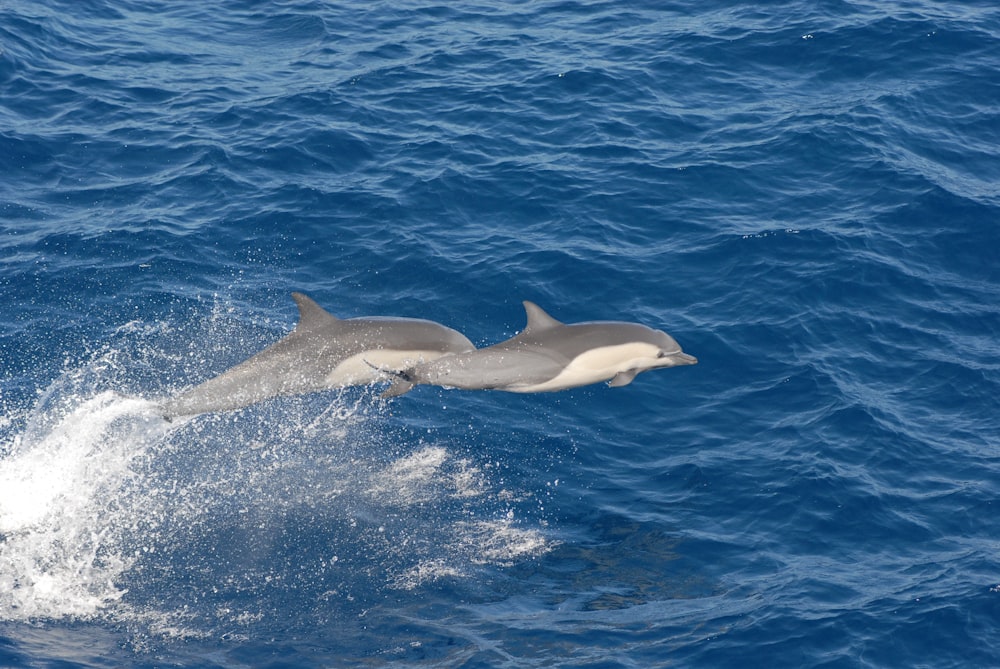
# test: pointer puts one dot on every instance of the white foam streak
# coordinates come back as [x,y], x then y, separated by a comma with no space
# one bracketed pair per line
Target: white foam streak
[487,542]
[427,474]
[433,472]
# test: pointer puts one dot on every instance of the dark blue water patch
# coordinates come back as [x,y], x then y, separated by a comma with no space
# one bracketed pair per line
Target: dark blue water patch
[29,157]
[72,645]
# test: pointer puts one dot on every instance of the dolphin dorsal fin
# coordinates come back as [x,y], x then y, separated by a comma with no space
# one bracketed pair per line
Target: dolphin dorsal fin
[311,314]
[538,320]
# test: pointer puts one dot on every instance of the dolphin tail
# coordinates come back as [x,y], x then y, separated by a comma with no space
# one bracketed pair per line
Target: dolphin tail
[402,382]
[400,386]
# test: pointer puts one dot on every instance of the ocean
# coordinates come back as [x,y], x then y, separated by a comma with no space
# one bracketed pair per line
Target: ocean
[805,195]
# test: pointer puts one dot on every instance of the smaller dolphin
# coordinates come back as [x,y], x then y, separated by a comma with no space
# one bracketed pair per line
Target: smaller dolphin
[549,355]
[322,352]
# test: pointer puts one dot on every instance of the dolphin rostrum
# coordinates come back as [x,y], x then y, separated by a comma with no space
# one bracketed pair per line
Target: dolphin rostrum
[549,355]
[322,352]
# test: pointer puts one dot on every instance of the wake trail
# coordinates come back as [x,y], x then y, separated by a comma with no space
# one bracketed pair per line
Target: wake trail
[110,512]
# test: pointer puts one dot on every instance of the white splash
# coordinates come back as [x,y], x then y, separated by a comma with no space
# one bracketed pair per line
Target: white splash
[425,475]
[58,520]
[98,494]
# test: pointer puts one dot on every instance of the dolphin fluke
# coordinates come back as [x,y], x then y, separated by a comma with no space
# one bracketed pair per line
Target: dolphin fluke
[399,386]
[401,381]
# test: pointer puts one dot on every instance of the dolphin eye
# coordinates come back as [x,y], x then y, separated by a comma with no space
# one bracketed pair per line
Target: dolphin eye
[661,354]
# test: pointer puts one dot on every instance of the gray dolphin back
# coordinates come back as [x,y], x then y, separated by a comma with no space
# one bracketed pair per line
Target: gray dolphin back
[322,352]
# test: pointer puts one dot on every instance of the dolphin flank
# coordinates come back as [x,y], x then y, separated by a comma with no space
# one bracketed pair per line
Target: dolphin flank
[549,355]
[322,352]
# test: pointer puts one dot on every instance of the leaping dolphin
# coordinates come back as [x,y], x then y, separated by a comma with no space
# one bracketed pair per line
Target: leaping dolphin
[549,355]
[322,352]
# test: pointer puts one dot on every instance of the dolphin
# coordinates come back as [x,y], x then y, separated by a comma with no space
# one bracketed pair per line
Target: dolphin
[322,352]
[549,355]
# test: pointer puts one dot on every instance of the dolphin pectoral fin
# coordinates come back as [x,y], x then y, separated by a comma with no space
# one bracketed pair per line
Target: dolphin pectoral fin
[400,386]
[623,378]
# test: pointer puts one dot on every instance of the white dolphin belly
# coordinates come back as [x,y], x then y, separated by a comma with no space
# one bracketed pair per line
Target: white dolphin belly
[365,367]
[595,365]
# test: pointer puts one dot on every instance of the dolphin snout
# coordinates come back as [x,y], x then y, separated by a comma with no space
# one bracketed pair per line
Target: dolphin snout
[682,358]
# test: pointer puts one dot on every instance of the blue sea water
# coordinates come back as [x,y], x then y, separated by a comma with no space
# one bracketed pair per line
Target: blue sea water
[806,195]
